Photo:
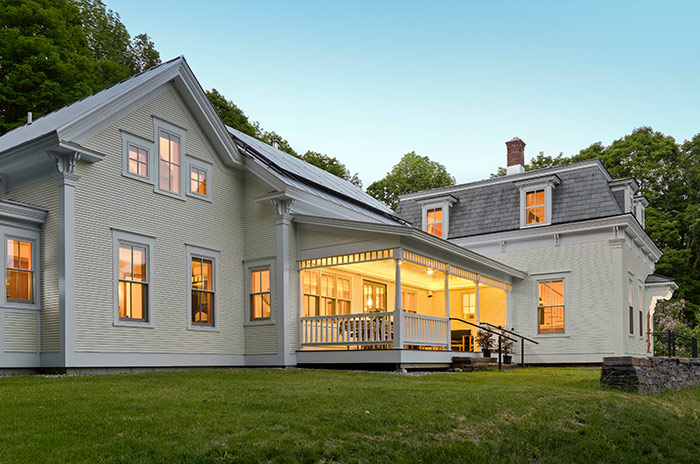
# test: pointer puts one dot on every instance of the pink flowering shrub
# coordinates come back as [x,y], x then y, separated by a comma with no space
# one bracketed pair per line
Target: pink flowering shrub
[670,316]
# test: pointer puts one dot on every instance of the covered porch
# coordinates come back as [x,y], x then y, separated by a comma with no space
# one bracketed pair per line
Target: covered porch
[394,299]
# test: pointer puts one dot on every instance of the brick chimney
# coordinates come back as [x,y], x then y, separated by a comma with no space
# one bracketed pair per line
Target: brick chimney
[516,156]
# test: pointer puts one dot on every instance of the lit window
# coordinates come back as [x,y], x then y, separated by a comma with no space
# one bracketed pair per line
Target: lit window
[133,282]
[198,180]
[260,294]
[374,296]
[434,221]
[19,272]
[469,305]
[138,161]
[641,314]
[202,291]
[325,294]
[551,306]
[311,298]
[169,162]
[534,207]
[409,301]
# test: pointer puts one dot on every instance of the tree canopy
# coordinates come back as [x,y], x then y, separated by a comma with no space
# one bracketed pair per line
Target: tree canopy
[412,174]
[54,52]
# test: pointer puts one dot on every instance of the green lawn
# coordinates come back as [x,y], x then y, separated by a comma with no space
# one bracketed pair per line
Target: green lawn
[252,415]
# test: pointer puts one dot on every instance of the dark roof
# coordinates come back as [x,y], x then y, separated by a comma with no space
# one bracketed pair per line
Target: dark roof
[493,205]
[658,279]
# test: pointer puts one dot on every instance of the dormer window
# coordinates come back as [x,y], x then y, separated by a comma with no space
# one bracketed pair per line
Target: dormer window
[434,221]
[536,200]
[534,207]
[436,215]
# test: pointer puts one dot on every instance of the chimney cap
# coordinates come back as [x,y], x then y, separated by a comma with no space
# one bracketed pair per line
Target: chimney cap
[515,156]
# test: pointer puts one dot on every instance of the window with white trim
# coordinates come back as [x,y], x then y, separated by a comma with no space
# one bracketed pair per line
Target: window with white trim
[19,271]
[641,309]
[202,291]
[434,221]
[137,160]
[409,300]
[325,294]
[260,295]
[133,282]
[551,306]
[198,180]
[169,162]
[535,207]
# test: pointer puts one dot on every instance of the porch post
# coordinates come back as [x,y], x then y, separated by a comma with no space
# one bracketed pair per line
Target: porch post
[447,309]
[478,302]
[398,313]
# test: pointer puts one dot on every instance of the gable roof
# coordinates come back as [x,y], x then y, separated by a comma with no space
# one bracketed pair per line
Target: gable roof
[493,205]
[68,123]
[303,176]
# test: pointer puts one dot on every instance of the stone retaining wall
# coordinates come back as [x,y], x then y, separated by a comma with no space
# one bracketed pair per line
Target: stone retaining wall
[650,375]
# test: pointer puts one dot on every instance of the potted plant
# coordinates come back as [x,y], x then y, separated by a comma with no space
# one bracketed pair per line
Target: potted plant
[485,341]
[507,348]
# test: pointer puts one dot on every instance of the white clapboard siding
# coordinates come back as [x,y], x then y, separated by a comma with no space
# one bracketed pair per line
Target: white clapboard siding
[45,195]
[105,199]
[21,332]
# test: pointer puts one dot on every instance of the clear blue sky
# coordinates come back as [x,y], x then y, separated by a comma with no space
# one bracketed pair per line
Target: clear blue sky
[369,81]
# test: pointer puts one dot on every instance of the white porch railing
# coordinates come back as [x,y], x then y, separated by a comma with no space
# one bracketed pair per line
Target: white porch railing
[419,329]
[374,329]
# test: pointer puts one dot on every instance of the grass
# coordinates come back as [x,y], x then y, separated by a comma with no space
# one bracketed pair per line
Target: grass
[254,415]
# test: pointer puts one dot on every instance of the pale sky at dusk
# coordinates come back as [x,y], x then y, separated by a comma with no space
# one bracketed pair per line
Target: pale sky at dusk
[369,81]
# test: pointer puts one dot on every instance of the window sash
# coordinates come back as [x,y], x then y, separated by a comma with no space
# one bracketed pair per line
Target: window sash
[434,221]
[549,322]
[551,306]
[260,297]
[169,163]
[127,281]
[137,162]
[203,292]
[198,181]
[378,294]
[535,207]
[19,271]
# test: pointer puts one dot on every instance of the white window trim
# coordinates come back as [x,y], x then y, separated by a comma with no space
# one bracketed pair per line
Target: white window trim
[204,166]
[547,184]
[158,125]
[640,306]
[149,243]
[196,252]
[131,139]
[251,266]
[445,203]
[630,286]
[463,293]
[34,238]
[563,276]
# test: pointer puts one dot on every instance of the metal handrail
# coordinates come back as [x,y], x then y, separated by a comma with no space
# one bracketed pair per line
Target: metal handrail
[522,342]
[672,342]
[499,334]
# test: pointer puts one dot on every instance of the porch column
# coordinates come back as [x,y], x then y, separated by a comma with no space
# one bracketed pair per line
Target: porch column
[447,308]
[398,313]
[66,179]
[283,222]
[478,302]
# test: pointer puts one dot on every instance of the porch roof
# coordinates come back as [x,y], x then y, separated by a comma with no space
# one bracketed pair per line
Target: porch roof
[419,236]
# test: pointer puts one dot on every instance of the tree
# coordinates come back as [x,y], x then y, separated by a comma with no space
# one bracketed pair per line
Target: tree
[45,61]
[332,165]
[412,174]
[53,53]
[230,114]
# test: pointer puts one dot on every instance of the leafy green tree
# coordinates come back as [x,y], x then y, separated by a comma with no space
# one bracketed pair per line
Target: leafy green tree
[332,165]
[54,52]
[45,61]
[273,138]
[412,174]
[230,114]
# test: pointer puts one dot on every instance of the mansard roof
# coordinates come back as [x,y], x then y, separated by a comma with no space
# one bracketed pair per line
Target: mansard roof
[493,205]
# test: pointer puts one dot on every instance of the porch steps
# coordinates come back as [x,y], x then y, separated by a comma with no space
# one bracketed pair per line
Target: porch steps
[477,364]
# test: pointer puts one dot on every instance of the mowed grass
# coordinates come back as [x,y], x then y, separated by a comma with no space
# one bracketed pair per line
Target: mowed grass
[259,415]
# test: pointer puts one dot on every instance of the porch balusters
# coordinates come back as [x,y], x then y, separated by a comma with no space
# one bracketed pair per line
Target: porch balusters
[398,313]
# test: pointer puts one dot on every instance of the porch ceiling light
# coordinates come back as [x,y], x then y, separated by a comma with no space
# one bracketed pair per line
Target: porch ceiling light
[430,271]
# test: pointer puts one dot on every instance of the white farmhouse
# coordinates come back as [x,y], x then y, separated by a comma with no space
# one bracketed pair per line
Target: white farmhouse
[138,231]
